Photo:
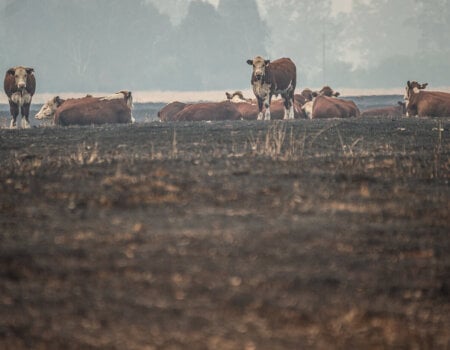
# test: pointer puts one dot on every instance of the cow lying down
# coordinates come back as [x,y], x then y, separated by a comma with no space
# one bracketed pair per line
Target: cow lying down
[325,104]
[237,107]
[89,110]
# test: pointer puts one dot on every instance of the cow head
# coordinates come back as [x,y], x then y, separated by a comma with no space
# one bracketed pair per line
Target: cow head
[259,67]
[413,87]
[237,97]
[329,92]
[20,75]
[48,110]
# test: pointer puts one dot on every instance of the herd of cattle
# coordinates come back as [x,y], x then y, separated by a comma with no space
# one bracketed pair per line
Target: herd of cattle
[268,79]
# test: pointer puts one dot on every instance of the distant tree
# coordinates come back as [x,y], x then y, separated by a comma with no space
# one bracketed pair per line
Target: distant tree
[304,31]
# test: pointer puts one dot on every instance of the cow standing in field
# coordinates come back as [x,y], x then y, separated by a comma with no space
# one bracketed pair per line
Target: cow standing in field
[273,78]
[426,103]
[20,85]
[89,110]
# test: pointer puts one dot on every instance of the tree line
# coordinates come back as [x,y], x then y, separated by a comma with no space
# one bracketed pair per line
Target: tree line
[104,45]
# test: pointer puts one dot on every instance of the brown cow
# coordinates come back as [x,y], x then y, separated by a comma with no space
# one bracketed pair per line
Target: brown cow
[274,78]
[426,103]
[305,96]
[249,108]
[330,107]
[88,110]
[389,111]
[329,92]
[168,112]
[20,85]
[209,111]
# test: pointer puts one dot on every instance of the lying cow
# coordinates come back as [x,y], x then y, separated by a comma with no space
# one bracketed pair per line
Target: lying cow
[273,78]
[426,103]
[208,111]
[20,85]
[305,96]
[169,111]
[389,111]
[249,108]
[88,110]
[329,92]
[330,107]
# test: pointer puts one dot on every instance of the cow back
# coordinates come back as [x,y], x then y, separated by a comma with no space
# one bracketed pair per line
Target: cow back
[169,111]
[329,107]
[429,104]
[209,111]
[91,110]
[281,73]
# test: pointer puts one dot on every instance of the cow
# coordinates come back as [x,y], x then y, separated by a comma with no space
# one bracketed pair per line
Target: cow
[88,110]
[209,111]
[426,103]
[20,86]
[273,78]
[329,92]
[330,107]
[249,108]
[305,96]
[388,111]
[237,96]
[168,112]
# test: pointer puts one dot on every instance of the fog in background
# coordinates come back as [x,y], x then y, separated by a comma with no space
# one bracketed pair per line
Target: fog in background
[108,45]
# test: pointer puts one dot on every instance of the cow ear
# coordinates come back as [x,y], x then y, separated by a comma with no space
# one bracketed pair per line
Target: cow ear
[250,62]
[29,70]
[59,101]
[266,62]
[11,71]
[408,84]
[315,94]
[337,94]
[424,86]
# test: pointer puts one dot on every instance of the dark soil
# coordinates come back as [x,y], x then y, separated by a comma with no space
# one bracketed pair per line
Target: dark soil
[323,234]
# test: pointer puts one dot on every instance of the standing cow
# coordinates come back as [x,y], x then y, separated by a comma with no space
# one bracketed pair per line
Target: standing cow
[20,85]
[273,78]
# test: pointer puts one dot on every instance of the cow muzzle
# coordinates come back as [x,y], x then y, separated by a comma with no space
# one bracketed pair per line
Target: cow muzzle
[258,76]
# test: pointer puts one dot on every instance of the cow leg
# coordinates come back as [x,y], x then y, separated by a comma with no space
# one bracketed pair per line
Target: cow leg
[14,109]
[267,105]
[25,112]
[260,107]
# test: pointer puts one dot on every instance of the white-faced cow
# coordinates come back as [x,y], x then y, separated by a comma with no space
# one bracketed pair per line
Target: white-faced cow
[88,110]
[20,85]
[388,111]
[426,103]
[273,78]
[249,108]
[330,107]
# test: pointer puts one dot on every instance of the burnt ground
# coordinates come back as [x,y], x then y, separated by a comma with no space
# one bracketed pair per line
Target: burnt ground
[322,234]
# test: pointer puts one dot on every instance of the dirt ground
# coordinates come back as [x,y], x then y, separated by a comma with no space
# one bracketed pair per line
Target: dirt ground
[309,234]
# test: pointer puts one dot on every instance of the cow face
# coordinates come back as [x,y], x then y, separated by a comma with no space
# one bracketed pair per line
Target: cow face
[20,75]
[413,87]
[49,108]
[259,66]
[329,92]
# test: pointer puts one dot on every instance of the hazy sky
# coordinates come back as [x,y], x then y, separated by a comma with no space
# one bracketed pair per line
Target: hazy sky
[177,9]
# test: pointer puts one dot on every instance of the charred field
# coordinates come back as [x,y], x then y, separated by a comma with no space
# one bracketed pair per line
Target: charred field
[308,234]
